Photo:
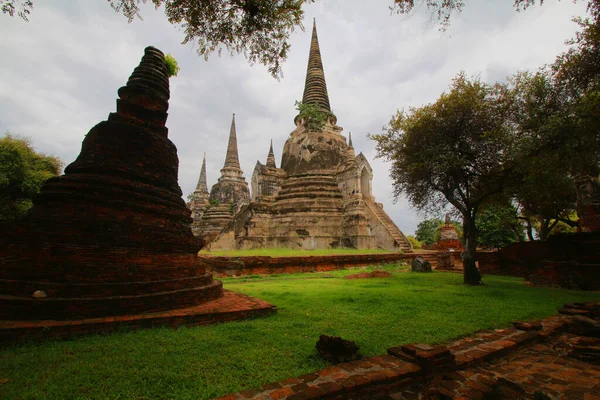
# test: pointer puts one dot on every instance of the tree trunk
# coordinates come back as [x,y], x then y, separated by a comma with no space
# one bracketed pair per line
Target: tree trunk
[544,231]
[471,273]
[530,230]
[546,227]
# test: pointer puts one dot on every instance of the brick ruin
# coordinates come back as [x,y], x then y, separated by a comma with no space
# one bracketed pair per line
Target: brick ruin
[567,260]
[112,235]
[320,197]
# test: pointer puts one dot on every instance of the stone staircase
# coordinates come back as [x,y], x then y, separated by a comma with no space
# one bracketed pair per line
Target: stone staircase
[390,226]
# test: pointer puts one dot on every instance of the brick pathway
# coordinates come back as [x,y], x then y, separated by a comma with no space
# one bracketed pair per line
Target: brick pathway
[232,306]
[540,368]
[531,361]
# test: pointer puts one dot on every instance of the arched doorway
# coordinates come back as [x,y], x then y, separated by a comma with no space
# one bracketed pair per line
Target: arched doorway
[365,183]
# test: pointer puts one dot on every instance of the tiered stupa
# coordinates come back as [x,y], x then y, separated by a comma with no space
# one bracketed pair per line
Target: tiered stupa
[227,195]
[111,237]
[321,196]
[200,200]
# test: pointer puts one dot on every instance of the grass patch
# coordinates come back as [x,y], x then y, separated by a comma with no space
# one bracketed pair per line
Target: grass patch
[206,362]
[282,252]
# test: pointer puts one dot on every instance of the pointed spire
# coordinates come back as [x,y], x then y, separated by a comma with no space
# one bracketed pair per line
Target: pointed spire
[271,157]
[202,187]
[351,156]
[231,159]
[315,88]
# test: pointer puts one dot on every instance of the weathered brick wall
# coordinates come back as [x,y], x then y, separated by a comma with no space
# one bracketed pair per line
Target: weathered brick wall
[233,266]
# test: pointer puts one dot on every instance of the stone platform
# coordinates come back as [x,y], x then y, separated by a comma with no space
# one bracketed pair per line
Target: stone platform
[230,307]
[539,360]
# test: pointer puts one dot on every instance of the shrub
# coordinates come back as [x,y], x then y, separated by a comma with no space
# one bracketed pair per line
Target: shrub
[415,243]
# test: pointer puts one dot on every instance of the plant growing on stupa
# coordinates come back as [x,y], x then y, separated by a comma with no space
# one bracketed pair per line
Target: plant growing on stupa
[172,65]
[313,116]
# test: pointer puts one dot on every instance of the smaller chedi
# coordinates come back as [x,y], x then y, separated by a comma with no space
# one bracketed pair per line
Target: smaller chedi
[226,196]
[200,200]
[449,239]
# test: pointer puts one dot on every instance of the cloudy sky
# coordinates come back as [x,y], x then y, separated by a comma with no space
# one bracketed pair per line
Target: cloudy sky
[60,73]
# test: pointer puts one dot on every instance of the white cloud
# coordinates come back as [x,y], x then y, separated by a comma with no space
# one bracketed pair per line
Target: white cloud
[61,72]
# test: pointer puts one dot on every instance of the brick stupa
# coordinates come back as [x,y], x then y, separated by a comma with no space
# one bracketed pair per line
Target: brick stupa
[111,237]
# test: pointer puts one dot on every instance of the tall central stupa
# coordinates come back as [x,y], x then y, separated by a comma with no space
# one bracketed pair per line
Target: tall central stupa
[321,195]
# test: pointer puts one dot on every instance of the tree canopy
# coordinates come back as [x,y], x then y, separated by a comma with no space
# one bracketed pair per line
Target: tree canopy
[22,173]
[426,230]
[444,10]
[498,225]
[258,29]
[543,188]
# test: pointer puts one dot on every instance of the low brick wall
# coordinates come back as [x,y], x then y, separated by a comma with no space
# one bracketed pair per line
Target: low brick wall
[570,261]
[264,265]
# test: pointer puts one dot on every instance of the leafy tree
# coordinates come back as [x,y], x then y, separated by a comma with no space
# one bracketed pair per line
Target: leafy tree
[426,230]
[556,113]
[22,173]
[452,151]
[498,225]
[544,187]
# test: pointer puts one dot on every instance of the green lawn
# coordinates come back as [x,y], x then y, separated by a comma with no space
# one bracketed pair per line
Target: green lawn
[203,362]
[282,252]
